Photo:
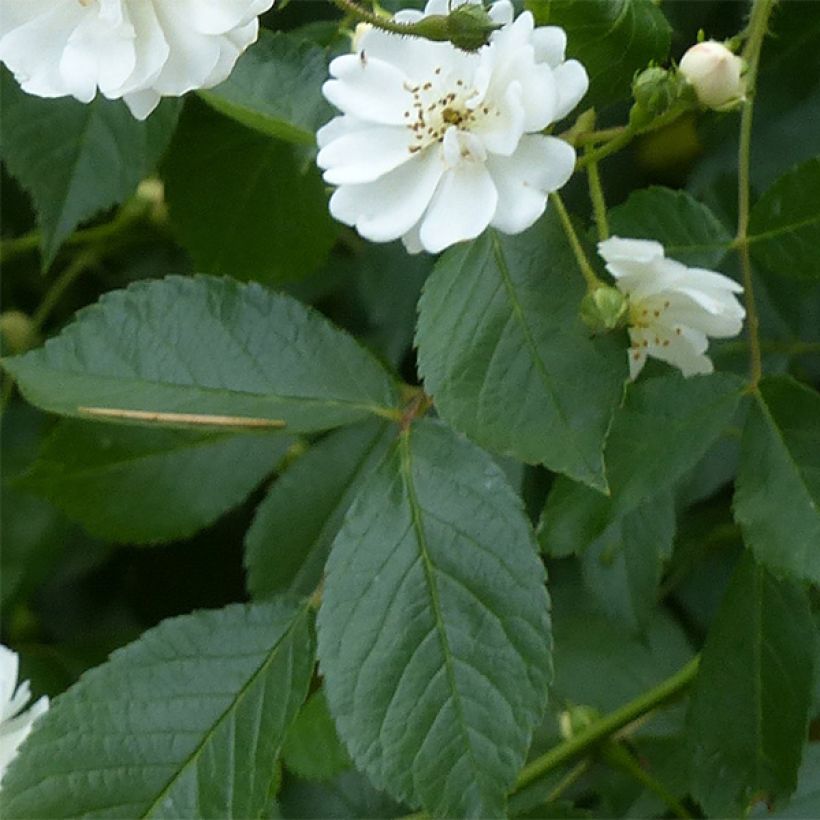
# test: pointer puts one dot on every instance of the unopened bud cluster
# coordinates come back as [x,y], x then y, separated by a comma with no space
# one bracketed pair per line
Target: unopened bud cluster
[658,91]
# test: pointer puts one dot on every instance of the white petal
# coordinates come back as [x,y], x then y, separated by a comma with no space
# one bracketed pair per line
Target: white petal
[502,127]
[370,89]
[32,51]
[389,207]
[461,209]
[502,12]
[572,82]
[415,57]
[151,52]
[365,155]
[550,43]
[540,165]
[616,249]
[98,53]
[142,103]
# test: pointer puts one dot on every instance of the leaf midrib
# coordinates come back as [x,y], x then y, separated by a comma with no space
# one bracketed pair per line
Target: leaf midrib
[46,369]
[232,706]
[429,576]
[518,312]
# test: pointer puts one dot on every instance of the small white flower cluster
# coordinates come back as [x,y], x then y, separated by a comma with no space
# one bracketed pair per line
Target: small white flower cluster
[435,144]
[15,724]
[137,50]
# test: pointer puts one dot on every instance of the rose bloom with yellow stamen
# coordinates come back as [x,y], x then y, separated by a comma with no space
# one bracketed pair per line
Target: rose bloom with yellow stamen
[434,143]
[673,309]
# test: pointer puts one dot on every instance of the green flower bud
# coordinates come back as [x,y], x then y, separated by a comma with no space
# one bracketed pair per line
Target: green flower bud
[576,718]
[470,27]
[656,91]
[604,309]
[18,332]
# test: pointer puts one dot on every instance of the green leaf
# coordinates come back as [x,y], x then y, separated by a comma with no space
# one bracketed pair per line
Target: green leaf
[434,630]
[664,428]
[349,797]
[136,485]
[686,228]
[748,714]
[243,204]
[785,223]
[805,801]
[185,722]
[206,346]
[777,497]
[288,543]
[501,346]
[598,661]
[276,88]
[35,533]
[622,567]
[312,748]
[612,38]
[74,159]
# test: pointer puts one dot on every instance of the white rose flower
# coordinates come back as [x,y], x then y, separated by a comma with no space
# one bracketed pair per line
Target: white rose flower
[434,144]
[14,723]
[715,73]
[139,50]
[672,308]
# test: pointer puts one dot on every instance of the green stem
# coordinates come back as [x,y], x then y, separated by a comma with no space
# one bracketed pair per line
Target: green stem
[622,136]
[620,757]
[601,729]
[596,194]
[376,20]
[758,24]
[604,135]
[129,214]
[620,140]
[571,777]
[593,282]
[81,262]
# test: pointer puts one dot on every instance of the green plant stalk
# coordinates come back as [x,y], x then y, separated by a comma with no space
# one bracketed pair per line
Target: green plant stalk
[593,282]
[616,755]
[596,194]
[131,213]
[758,24]
[378,21]
[608,725]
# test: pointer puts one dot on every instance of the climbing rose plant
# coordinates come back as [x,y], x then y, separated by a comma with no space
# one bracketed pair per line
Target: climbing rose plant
[410,409]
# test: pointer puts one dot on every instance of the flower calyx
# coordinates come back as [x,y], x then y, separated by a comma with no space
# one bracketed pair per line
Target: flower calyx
[604,309]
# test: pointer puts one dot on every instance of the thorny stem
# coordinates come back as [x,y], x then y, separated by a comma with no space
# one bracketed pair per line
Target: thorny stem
[593,282]
[365,16]
[596,194]
[758,23]
[608,725]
